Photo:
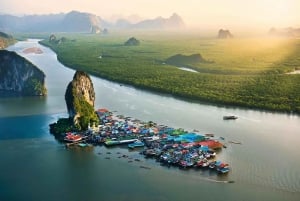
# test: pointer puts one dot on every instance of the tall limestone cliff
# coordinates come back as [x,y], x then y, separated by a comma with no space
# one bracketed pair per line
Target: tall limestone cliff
[20,77]
[80,100]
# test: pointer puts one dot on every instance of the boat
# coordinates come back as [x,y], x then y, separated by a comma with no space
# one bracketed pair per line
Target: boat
[209,135]
[222,167]
[71,137]
[149,152]
[232,117]
[235,142]
[85,145]
[135,144]
[186,163]
[224,170]
[111,142]
[202,163]
[210,154]
[214,164]
[127,141]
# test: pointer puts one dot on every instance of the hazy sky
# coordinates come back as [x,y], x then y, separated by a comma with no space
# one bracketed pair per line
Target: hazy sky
[210,13]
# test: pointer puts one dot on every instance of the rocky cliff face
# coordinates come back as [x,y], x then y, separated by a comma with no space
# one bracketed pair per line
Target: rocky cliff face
[80,99]
[20,77]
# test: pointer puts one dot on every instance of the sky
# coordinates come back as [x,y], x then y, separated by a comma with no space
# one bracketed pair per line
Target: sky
[195,13]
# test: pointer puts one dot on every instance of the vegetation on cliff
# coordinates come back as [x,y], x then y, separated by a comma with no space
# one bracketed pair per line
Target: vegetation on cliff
[245,72]
[20,77]
[6,40]
[63,125]
[80,98]
[34,86]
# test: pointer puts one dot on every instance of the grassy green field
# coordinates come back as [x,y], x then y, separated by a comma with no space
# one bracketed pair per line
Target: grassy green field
[242,72]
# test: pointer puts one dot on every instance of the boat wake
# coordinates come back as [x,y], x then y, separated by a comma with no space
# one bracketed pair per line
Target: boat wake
[219,181]
[250,119]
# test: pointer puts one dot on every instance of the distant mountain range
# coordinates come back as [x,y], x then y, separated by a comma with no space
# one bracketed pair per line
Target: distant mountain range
[75,21]
[285,32]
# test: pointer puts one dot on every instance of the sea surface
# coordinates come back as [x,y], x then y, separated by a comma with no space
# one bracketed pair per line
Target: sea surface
[34,166]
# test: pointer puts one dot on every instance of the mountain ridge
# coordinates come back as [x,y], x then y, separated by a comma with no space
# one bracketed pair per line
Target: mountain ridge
[75,21]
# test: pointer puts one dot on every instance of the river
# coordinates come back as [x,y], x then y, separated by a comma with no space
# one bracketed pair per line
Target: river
[34,166]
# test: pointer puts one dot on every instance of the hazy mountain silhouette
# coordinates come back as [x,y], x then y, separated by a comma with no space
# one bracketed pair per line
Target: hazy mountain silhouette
[173,22]
[75,21]
[71,22]
[285,32]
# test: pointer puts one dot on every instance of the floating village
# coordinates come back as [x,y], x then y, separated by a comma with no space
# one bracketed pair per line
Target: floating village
[166,145]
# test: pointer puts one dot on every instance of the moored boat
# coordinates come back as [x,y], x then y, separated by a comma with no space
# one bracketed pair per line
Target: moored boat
[119,142]
[224,170]
[135,144]
[231,117]
[202,163]
[71,137]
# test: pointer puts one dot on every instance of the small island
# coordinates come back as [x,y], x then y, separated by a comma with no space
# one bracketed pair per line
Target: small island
[168,146]
[86,127]
[185,60]
[80,99]
[132,42]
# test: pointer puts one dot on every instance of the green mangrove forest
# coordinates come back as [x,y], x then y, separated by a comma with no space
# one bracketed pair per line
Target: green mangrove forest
[255,73]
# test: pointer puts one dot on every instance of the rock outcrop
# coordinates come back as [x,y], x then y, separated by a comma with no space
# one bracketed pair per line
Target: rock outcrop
[185,60]
[80,100]
[5,40]
[20,77]
[54,40]
[132,42]
[223,34]
[79,22]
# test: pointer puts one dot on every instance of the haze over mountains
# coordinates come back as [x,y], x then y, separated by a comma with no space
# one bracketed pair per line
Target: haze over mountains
[285,32]
[75,21]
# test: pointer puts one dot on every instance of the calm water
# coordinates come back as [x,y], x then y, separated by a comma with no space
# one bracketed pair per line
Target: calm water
[36,167]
